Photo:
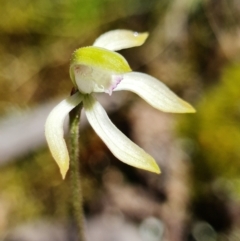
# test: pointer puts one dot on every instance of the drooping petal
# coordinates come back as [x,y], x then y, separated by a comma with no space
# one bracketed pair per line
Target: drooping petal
[120,39]
[95,69]
[54,131]
[154,92]
[123,148]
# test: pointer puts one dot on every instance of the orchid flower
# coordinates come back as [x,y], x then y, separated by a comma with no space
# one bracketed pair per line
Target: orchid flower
[99,68]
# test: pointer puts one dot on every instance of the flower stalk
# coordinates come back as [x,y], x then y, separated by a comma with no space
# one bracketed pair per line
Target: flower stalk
[75,174]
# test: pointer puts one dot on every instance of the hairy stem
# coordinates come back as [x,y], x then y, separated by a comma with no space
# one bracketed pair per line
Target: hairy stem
[75,175]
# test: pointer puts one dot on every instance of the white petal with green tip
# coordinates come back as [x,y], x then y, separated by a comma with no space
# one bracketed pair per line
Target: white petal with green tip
[54,131]
[122,147]
[95,69]
[120,39]
[154,92]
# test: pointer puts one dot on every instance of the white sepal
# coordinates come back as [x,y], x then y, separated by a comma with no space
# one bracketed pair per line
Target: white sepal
[120,39]
[121,147]
[154,92]
[54,131]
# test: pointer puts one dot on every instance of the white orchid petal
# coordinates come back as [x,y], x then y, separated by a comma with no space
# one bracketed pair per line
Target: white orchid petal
[54,131]
[154,92]
[95,69]
[123,148]
[120,39]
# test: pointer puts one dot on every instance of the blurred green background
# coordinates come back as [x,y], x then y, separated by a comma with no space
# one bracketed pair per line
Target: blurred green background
[194,48]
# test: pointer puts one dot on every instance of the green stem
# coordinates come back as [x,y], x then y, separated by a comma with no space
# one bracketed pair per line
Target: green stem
[77,199]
